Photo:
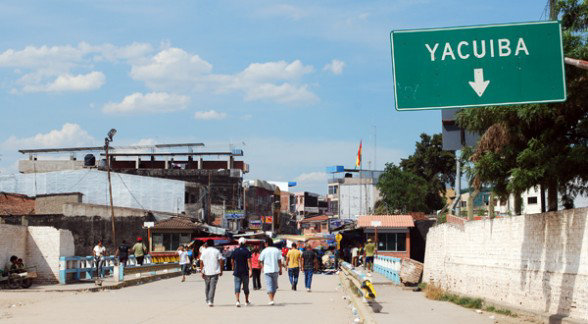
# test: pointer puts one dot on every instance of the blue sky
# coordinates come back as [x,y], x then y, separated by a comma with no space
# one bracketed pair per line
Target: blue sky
[295,84]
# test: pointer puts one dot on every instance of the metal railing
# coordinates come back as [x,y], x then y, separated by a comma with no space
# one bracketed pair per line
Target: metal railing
[139,271]
[361,282]
[389,267]
[86,266]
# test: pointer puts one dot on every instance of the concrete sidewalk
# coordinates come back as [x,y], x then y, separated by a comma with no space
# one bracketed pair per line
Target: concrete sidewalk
[401,305]
[89,285]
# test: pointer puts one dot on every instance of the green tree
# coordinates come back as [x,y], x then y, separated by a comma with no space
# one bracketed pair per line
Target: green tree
[528,145]
[402,191]
[434,165]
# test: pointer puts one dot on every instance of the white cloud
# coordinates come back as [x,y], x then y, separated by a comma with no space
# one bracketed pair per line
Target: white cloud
[284,10]
[69,135]
[171,67]
[154,102]
[285,93]
[66,82]
[72,68]
[210,115]
[335,66]
[174,69]
[51,68]
[312,178]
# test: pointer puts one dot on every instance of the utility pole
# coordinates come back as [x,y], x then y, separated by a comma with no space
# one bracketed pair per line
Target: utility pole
[273,220]
[107,141]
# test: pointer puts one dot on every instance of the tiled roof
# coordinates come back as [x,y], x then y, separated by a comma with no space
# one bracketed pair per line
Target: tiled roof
[176,223]
[389,221]
[320,218]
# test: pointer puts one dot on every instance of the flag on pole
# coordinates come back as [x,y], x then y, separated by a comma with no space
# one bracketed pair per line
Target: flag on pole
[358,160]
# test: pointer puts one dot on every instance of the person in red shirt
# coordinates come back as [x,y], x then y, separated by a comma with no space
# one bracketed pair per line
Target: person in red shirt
[284,254]
[256,269]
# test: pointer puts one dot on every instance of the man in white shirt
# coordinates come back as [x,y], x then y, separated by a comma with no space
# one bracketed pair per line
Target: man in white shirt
[99,252]
[354,255]
[271,259]
[211,266]
[184,261]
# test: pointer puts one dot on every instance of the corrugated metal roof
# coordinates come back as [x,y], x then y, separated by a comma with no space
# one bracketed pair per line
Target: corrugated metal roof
[390,221]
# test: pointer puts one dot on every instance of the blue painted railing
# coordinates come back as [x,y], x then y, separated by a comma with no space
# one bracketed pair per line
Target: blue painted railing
[389,267]
[86,266]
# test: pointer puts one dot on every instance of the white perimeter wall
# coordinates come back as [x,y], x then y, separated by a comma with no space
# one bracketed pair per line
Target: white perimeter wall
[128,190]
[536,262]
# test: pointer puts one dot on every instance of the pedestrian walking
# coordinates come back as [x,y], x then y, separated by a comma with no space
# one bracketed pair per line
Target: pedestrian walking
[184,261]
[271,260]
[309,264]
[256,269]
[241,261]
[293,262]
[123,253]
[139,250]
[370,250]
[99,251]
[354,255]
[211,266]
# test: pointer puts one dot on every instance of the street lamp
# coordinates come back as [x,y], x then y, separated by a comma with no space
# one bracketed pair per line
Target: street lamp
[107,140]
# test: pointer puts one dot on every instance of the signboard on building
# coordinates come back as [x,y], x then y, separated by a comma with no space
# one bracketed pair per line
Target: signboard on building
[335,222]
[311,209]
[255,224]
[476,66]
[148,224]
[267,219]
[234,214]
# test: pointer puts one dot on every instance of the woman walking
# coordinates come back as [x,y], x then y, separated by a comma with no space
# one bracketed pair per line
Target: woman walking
[256,269]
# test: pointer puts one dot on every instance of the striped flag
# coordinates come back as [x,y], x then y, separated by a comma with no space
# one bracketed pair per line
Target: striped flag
[358,160]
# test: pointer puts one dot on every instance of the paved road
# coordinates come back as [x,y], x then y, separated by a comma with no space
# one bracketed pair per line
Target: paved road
[171,301]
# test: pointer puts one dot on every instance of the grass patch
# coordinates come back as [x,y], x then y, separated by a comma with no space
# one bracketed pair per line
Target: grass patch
[466,302]
[500,311]
[434,292]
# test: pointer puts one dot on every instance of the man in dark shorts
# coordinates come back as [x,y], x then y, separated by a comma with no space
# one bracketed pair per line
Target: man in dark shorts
[241,260]
[123,253]
[370,251]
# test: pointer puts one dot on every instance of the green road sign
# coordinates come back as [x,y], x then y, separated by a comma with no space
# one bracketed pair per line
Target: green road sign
[478,66]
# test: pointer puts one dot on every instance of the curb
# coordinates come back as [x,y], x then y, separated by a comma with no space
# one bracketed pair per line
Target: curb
[364,312]
[127,283]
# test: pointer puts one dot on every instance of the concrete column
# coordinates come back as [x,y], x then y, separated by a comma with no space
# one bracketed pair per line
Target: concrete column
[166,163]
[137,162]
[200,163]
[230,162]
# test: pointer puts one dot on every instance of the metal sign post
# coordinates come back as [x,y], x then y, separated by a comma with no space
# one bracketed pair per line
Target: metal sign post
[375,225]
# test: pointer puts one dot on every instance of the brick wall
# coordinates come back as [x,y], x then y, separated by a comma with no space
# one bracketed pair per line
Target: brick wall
[38,246]
[15,204]
[535,262]
[53,204]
